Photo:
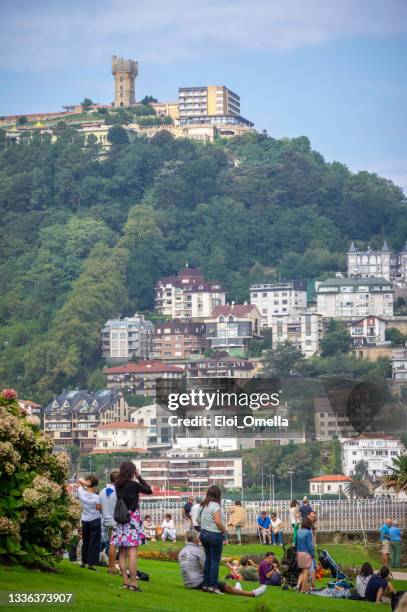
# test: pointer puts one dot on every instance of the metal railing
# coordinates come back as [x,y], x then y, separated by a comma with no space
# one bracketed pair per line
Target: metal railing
[333,515]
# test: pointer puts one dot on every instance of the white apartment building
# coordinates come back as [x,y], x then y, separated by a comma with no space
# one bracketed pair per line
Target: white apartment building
[147,416]
[303,330]
[128,337]
[399,365]
[273,299]
[376,450]
[355,297]
[195,473]
[368,331]
[188,296]
[121,436]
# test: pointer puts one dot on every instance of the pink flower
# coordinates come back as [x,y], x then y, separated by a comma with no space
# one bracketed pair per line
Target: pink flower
[9,394]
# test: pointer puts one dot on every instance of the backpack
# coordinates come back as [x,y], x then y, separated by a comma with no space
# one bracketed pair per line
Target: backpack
[121,512]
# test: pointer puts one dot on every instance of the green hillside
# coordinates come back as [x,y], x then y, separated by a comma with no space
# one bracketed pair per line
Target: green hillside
[84,236]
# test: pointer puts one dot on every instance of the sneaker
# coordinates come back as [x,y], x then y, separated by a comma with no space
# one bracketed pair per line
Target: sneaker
[217,592]
[238,586]
[260,590]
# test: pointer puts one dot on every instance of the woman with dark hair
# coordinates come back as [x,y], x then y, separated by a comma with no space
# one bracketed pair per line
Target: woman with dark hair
[212,528]
[91,523]
[128,536]
[366,572]
[305,554]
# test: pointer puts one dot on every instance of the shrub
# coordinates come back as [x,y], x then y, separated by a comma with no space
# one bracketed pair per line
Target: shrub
[37,515]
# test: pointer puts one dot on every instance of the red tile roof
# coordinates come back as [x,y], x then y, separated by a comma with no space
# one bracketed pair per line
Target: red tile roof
[28,403]
[122,425]
[331,478]
[143,367]
[240,310]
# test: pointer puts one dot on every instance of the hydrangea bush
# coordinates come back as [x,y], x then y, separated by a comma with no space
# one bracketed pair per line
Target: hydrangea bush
[37,514]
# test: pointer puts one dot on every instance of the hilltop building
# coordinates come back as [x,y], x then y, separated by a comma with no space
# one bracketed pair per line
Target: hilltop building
[384,263]
[179,340]
[231,326]
[141,377]
[305,331]
[272,299]
[188,295]
[376,450]
[128,337]
[124,72]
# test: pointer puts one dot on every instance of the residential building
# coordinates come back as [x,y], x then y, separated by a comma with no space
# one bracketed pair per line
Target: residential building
[188,295]
[399,365]
[368,331]
[231,326]
[304,330]
[31,408]
[127,337]
[195,473]
[376,450]
[122,435]
[124,72]
[334,484]
[141,377]
[74,416]
[178,340]
[383,263]
[155,418]
[287,298]
[207,101]
[221,366]
[355,297]
[222,444]
[333,417]
[373,352]
[381,491]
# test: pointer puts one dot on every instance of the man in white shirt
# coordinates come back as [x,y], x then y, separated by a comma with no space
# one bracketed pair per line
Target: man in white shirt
[108,502]
[195,513]
[192,560]
[276,529]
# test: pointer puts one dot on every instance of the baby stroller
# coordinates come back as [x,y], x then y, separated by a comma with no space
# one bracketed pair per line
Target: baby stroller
[341,580]
[289,566]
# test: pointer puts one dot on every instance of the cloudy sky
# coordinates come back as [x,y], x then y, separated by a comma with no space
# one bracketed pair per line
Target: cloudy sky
[334,70]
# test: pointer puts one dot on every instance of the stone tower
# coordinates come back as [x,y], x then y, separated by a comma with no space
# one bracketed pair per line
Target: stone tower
[124,72]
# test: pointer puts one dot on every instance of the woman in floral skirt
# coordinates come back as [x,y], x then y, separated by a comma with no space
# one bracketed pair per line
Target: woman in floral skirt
[126,537]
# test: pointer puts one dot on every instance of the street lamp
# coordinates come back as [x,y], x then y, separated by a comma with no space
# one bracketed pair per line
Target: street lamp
[262,484]
[290,473]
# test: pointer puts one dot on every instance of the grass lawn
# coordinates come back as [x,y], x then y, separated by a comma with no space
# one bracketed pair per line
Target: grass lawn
[102,592]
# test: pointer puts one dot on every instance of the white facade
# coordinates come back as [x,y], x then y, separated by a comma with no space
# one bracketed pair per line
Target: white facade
[328,485]
[399,365]
[147,416]
[277,299]
[384,263]
[378,453]
[125,436]
[369,330]
[350,297]
[304,331]
[123,338]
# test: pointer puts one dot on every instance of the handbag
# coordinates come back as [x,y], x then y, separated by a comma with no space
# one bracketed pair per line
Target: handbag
[121,512]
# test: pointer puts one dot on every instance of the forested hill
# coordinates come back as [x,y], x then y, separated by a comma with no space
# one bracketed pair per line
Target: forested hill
[84,236]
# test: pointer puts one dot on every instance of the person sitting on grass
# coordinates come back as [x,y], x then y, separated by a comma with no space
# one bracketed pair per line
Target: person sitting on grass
[362,580]
[378,586]
[192,560]
[149,528]
[269,570]
[264,527]
[168,528]
[248,569]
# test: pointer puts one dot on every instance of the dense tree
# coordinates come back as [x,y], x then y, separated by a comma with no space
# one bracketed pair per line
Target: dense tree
[283,360]
[336,340]
[117,135]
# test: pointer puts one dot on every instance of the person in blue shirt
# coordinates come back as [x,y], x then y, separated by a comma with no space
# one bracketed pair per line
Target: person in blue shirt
[264,527]
[305,508]
[395,544]
[385,540]
[305,554]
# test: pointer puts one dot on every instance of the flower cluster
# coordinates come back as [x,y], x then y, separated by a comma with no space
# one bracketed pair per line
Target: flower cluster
[8,527]
[42,490]
[158,555]
[9,394]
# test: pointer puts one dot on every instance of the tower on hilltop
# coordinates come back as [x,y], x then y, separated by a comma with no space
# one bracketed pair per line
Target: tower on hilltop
[124,72]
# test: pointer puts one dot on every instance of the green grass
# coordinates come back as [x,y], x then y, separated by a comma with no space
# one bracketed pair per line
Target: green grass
[101,592]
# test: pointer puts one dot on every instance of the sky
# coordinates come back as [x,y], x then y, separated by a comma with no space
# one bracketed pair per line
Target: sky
[333,70]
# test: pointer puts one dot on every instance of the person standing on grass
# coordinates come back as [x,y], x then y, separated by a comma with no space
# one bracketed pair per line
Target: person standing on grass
[192,563]
[295,518]
[186,514]
[128,536]
[195,510]
[237,519]
[305,508]
[305,554]
[395,544]
[385,540]
[212,530]
[108,502]
[91,524]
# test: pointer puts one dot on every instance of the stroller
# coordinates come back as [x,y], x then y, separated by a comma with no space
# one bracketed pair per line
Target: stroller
[289,566]
[341,580]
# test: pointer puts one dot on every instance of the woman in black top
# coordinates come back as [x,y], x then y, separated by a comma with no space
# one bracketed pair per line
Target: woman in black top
[127,537]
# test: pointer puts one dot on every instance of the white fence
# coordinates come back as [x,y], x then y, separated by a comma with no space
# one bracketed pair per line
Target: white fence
[346,515]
